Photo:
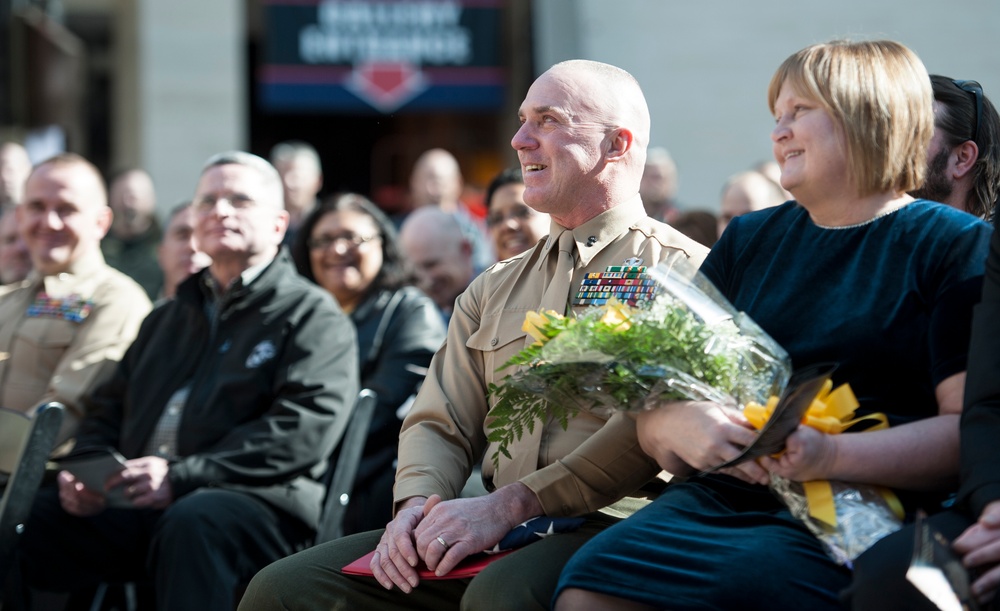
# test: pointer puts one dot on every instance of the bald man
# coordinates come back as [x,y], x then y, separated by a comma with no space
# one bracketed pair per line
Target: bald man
[63,329]
[659,186]
[746,192]
[130,246]
[582,147]
[14,260]
[436,181]
[301,172]
[439,253]
[14,169]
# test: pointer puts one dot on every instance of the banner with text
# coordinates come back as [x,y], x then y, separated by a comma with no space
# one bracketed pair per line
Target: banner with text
[350,56]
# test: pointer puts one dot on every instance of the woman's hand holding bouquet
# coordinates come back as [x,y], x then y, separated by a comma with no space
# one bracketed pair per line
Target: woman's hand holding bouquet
[809,455]
[691,436]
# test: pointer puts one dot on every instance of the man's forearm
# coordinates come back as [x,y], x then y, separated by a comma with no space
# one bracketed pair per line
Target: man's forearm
[518,502]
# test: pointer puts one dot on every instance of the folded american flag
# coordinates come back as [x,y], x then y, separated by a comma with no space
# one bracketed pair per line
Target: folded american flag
[533,530]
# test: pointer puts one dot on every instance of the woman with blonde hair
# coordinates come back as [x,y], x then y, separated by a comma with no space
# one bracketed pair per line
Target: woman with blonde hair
[853,271]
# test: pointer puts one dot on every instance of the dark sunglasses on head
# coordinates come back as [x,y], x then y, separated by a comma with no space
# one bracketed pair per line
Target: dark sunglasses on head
[976,90]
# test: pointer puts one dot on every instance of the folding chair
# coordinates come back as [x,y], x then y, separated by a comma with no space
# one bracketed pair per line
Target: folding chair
[338,494]
[24,481]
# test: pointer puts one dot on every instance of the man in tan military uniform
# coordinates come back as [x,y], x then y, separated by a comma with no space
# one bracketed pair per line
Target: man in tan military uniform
[582,147]
[64,327]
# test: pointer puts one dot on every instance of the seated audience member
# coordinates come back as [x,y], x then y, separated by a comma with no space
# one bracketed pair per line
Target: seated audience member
[772,171]
[14,169]
[436,180]
[130,245]
[15,262]
[659,186]
[746,192]
[855,272]
[974,522]
[514,225]
[440,254]
[301,172]
[178,254]
[66,326]
[699,225]
[597,220]
[225,408]
[349,247]
[963,163]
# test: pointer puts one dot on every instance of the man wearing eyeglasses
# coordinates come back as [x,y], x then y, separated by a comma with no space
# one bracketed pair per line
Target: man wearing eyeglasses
[225,409]
[964,156]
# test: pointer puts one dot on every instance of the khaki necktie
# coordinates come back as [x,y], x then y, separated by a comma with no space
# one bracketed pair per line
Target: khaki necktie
[560,264]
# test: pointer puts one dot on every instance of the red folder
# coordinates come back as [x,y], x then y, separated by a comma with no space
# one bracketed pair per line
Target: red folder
[469,567]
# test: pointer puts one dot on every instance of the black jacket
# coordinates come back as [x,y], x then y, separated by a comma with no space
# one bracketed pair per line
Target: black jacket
[981,415]
[398,333]
[273,378]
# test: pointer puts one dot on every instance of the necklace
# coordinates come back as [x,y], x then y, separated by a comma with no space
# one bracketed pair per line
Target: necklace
[862,223]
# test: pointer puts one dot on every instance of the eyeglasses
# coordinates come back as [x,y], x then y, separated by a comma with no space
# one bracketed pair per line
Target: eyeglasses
[517,213]
[976,90]
[347,241]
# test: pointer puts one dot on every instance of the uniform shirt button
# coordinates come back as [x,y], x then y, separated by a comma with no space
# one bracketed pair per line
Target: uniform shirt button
[494,341]
[164,449]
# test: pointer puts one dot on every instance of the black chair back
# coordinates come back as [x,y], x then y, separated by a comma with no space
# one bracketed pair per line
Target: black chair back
[25,479]
[338,493]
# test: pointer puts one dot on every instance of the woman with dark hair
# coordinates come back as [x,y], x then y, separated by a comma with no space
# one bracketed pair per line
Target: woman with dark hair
[514,226]
[963,161]
[348,246]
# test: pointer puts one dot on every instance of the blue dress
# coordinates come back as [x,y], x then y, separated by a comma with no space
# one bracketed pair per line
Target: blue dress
[890,301]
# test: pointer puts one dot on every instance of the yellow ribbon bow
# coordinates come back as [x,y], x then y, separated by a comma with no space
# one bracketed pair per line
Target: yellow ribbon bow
[832,412]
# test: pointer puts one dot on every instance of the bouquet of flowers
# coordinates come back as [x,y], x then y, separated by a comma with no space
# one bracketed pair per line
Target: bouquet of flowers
[682,341]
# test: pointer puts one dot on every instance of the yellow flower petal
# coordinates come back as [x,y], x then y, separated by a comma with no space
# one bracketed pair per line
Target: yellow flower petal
[617,315]
[535,324]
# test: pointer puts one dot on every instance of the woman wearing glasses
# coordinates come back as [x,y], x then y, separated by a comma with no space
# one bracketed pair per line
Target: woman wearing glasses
[853,271]
[348,246]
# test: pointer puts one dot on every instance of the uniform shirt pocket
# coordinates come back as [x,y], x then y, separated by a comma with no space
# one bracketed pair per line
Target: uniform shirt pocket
[44,341]
[498,338]
[40,344]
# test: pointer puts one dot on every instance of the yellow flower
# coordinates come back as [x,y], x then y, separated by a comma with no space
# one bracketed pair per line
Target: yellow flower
[536,322]
[617,316]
